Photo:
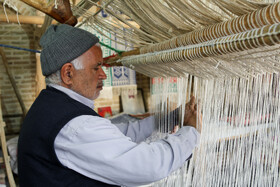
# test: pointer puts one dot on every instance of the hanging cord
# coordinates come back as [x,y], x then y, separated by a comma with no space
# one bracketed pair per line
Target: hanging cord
[10,5]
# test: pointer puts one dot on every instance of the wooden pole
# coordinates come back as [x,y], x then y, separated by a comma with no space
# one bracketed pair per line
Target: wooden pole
[40,79]
[266,36]
[112,61]
[254,20]
[60,11]
[13,82]
[23,19]
[5,151]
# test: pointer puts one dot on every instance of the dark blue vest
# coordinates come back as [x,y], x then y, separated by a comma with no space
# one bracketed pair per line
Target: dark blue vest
[38,164]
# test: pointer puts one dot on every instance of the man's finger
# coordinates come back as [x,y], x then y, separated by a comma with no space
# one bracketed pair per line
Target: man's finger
[192,103]
[192,100]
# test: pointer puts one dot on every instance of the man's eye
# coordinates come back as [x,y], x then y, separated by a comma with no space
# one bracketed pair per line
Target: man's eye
[96,69]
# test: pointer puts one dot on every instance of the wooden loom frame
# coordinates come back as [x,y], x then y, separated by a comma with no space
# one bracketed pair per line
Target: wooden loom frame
[5,151]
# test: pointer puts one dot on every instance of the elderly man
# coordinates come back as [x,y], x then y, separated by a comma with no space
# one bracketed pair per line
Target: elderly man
[64,142]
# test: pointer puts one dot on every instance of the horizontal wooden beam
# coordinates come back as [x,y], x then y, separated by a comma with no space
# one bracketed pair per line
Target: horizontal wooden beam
[37,20]
[265,36]
[58,10]
[112,61]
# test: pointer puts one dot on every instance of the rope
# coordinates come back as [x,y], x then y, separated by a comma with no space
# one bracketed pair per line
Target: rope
[20,48]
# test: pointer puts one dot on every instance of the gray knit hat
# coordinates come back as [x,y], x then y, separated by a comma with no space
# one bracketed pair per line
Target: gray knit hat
[63,43]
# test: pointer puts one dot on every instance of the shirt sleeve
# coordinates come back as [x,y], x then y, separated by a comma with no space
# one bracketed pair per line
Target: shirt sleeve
[138,130]
[96,148]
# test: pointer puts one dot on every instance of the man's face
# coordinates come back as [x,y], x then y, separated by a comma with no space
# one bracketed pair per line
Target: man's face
[88,81]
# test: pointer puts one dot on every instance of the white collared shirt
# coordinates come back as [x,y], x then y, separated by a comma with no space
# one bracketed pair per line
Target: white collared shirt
[115,153]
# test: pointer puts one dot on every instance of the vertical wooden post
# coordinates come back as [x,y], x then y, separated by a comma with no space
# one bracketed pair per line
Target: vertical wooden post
[5,151]
[40,79]
[13,82]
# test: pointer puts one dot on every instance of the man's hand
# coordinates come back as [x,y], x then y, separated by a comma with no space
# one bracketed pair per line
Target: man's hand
[191,115]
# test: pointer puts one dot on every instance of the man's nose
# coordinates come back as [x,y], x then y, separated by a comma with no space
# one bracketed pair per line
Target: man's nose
[102,74]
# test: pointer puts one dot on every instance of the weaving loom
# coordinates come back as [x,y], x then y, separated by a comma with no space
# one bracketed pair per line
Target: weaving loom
[233,70]
[226,54]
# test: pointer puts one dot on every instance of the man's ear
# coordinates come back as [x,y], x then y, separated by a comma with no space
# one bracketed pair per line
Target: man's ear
[66,73]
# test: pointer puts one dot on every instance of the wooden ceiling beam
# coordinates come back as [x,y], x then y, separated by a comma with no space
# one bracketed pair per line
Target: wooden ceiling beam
[61,11]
